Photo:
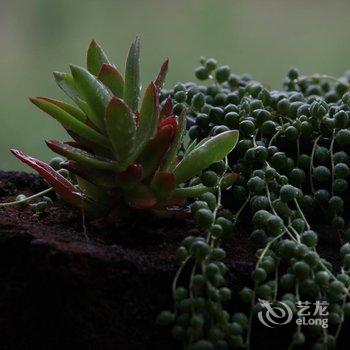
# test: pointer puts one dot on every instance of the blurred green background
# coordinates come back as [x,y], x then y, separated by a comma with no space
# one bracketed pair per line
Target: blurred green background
[261,37]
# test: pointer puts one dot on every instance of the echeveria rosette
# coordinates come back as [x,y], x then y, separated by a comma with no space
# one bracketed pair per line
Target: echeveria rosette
[123,156]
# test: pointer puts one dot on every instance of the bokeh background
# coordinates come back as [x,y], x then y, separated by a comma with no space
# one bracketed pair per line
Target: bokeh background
[261,37]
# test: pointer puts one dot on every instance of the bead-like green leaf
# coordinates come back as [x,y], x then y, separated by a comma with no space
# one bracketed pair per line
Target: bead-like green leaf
[94,93]
[111,77]
[148,119]
[211,151]
[168,163]
[83,158]
[132,76]
[70,122]
[121,129]
[96,57]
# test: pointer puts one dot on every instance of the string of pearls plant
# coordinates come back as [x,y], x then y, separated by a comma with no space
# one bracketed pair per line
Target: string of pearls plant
[293,161]
[199,318]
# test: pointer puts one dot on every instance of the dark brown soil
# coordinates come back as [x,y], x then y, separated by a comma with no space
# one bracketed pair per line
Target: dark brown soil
[66,287]
[63,288]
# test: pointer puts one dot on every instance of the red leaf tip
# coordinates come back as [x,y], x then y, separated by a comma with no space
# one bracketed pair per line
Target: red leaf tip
[16,152]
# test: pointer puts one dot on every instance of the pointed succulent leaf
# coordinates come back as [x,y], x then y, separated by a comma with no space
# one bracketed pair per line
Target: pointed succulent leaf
[201,142]
[89,145]
[168,121]
[195,191]
[168,162]
[211,151]
[97,195]
[148,119]
[96,57]
[121,129]
[70,122]
[72,110]
[155,150]
[62,186]
[130,177]
[94,93]
[103,179]
[159,82]
[140,197]
[111,77]
[81,146]
[167,108]
[163,184]
[86,109]
[190,148]
[66,82]
[193,145]
[132,85]
[82,157]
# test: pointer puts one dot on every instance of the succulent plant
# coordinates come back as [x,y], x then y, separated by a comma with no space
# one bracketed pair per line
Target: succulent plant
[122,155]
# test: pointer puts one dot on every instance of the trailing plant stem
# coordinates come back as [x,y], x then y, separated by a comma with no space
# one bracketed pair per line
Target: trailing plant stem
[27,199]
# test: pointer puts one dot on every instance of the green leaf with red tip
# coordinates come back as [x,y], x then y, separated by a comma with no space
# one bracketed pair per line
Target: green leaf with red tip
[140,197]
[196,191]
[96,57]
[155,150]
[159,82]
[121,129]
[70,122]
[72,110]
[66,82]
[169,161]
[163,184]
[130,177]
[96,95]
[62,186]
[111,77]
[148,119]
[132,85]
[211,151]
[84,158]
[100,178]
